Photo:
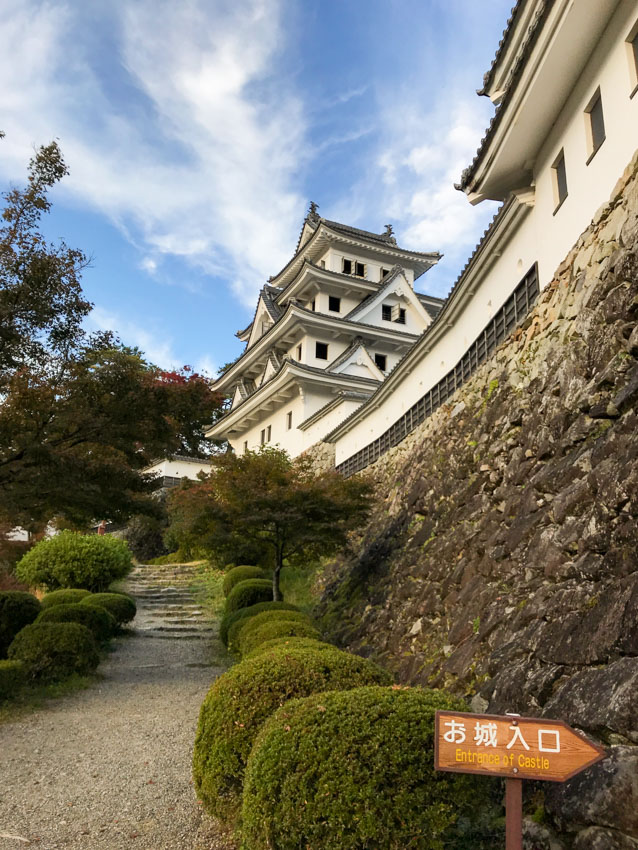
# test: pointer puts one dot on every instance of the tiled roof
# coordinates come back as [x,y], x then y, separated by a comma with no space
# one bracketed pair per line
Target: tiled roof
[341,396]
[532,36]
[432,310]
[507,34]
[356,342]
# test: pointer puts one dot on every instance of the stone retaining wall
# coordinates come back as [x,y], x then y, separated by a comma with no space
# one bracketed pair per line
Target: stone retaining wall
[501,560]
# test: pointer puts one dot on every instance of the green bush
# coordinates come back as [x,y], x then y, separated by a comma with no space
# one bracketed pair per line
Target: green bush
[11,678]
[231,617]
[101,624]
[352,771]
[252,638]
[241,573]
[89,561]
[63,597]
[52,651]
[119,605]
[288,641]
[245,623]
[249,592]
[246,695]
[17,610]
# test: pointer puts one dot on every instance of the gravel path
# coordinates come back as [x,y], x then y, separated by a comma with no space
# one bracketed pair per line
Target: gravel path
[110,768]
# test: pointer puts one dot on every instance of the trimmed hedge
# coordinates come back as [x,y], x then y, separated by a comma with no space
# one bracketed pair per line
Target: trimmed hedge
[51,651]
[12,677]
[354,770]
[249,592]
[287,642]
[63,597]
[248,623]
[101,624]
[246,695]
[241,573]
[119,605]
[250,639]
[17,610]
[89,561]
[231,617]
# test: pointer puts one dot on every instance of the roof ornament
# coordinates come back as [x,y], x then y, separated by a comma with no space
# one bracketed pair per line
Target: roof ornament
[389,233]
[312,210]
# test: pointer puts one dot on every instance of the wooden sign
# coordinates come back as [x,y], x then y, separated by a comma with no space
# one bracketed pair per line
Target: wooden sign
[511,746]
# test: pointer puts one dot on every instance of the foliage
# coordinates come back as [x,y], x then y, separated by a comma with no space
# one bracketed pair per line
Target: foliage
[249,592]
[17,610]
[68,596]
[276,629]
[240,625]
[51,651]
[101,624]
[69,559]
[280,505]
[145,536]
[287,641]
[231,617]
[241,573]
[351,771]
[119,605]
[12,678]
[81,414]
[242,698]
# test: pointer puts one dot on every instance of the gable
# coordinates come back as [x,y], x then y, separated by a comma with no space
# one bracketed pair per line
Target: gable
[356,362]
[398,294]
[262,324]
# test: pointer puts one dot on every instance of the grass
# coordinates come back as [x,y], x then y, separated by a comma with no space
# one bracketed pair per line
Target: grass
[208,589]
[33,697]
[297,584]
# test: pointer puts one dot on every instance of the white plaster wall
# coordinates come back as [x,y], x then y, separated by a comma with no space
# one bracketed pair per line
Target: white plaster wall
[542,237]
[326,424]
[589,186]
[178,468]
[414,323]
[347,303]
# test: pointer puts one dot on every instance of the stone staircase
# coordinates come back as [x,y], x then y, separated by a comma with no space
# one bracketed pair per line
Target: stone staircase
[166,603]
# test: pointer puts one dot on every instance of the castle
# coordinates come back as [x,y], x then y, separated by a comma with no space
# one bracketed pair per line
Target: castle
[343,351]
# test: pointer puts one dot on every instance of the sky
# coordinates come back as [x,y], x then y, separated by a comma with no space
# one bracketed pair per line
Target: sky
[197,133]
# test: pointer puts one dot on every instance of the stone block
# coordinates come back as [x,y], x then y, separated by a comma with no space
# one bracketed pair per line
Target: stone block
[596,838]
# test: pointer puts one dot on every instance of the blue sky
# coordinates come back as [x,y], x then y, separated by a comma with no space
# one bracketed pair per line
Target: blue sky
[197,132]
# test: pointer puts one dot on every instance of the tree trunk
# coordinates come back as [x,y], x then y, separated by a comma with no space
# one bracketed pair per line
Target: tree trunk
[276,592]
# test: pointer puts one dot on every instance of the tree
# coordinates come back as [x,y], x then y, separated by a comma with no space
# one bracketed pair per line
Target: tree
[80,414]
[266,500]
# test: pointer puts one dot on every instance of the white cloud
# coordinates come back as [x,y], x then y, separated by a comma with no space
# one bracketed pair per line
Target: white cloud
[157,348]
[200,159]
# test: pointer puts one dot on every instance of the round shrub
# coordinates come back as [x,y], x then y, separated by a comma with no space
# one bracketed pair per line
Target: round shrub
[17,610]
[63,597]
[244,623]
[287,641]
[101,624]
[249,592]
[119,605]
[231,617]
[354,770]
[11,678]
[252,638]
[89,561]
[241,573]
[51,651]
[246,695]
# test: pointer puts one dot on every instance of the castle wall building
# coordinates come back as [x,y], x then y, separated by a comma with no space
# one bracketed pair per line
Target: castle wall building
[341,348]
[565,83]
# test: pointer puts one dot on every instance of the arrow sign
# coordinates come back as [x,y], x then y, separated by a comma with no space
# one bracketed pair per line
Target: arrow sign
[511,746]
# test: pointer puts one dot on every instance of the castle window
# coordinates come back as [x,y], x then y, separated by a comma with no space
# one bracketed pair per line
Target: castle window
[595,125]
[559,175]
[346,266]
[398,314]
[263,436]
[386,312]
[299,352]
[289,420]
[384,273]
[268,433]
[245,446]
[381,361]
[321,350]
[313,305]
[334,304]
[359,270]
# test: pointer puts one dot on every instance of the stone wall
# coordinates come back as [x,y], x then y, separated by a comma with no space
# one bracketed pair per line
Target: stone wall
[501,558]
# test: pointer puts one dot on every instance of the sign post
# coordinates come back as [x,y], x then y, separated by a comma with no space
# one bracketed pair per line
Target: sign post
[514,747]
